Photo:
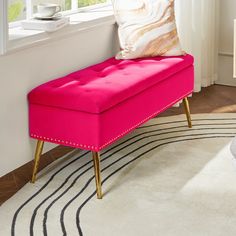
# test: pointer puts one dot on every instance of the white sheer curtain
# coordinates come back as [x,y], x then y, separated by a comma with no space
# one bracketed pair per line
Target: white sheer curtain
[197,22]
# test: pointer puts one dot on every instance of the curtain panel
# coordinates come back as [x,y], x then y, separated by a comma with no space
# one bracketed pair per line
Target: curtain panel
[198,24]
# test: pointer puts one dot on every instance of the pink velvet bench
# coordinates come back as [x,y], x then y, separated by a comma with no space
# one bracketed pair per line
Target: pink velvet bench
[93,107]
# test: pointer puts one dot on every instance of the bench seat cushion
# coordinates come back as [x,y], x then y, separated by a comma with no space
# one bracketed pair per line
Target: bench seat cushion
[100,87]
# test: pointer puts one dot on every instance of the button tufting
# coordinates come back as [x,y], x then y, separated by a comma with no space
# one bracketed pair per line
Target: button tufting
[107,79]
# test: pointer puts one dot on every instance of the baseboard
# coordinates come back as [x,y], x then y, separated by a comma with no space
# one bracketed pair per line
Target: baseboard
[230,83]
[13,181]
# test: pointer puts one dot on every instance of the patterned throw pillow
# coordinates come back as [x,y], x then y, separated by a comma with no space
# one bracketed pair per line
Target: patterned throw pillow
[147,28]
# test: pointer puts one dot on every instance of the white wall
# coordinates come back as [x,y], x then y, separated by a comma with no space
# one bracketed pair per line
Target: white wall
[22,71]
[227,16]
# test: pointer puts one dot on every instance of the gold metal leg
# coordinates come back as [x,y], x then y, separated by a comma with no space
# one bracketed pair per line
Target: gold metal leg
[187,111]
[96,164]
[38,154]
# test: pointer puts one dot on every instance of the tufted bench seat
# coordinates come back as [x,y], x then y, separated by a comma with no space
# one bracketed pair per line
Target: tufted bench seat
[93,107]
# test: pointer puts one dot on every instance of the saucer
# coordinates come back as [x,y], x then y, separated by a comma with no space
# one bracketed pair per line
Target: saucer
[54,17]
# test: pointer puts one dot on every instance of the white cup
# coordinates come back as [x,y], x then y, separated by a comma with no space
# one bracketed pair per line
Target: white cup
[47,9]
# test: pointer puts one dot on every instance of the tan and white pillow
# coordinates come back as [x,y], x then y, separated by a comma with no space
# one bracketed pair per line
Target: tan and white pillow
[147,28]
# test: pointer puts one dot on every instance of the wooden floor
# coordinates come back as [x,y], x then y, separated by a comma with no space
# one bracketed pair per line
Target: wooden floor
[214,99]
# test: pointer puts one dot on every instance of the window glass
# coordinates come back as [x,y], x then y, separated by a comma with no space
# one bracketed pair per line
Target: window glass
[84,3]
[16,10]
[65,4]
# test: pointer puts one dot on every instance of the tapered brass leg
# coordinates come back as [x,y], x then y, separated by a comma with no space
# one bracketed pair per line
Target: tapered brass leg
[187,111]
[38,154]
[96,164]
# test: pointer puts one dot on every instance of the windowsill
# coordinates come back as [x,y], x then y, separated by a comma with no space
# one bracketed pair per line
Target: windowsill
[20,39]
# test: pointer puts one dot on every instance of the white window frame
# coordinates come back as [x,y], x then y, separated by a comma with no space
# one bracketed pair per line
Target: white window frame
[74,5]
[3,26]
[29,9]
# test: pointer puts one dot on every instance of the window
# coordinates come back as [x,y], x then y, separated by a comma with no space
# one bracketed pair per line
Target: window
[82,13]
[23,9]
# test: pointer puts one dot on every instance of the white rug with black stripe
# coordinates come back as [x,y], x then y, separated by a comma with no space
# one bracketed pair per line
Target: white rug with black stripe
[162,179]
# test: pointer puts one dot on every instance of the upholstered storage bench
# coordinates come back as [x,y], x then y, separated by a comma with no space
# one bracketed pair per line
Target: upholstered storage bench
[93,107]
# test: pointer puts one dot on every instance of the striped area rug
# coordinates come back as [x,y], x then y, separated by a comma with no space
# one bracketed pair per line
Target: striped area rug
[162,179]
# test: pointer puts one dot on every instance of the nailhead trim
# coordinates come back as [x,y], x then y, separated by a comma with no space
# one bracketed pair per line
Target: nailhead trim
[65,142]
[94,148]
